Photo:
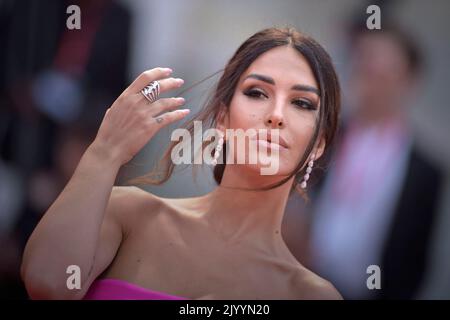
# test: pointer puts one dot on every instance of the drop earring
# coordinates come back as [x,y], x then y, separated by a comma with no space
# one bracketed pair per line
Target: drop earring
[218,148]
[308,172]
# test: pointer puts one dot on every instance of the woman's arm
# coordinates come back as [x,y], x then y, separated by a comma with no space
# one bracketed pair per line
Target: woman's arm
[68,233]
[81,227]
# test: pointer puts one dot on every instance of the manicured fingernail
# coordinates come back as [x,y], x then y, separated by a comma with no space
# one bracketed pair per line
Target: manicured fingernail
[168,70]
[181,99]
[184,110]
[179,80]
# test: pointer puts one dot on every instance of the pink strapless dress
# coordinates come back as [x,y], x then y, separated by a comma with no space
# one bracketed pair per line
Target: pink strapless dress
[114,289]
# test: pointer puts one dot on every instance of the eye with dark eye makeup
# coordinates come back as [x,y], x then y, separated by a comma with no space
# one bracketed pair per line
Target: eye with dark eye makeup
[304,103]
[254,93]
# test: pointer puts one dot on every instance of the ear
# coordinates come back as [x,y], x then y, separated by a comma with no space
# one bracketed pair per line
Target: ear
[319,149]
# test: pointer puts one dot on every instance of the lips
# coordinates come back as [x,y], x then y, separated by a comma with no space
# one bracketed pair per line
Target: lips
[269,138]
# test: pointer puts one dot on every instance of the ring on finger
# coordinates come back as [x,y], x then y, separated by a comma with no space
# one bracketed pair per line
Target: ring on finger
[151,92]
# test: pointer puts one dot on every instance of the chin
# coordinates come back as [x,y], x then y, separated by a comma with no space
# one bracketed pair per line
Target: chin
[270,169]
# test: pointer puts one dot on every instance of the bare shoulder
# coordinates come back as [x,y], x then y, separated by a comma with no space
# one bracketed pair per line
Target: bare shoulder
[126,197]
[129,203]
[312,287]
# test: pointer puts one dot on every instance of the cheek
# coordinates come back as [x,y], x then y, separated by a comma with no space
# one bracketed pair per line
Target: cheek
[244,115]
[301,130]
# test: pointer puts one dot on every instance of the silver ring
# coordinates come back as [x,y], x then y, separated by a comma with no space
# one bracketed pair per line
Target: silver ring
[151,92]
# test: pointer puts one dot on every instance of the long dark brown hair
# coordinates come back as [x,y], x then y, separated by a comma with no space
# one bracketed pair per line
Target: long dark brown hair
[259,43]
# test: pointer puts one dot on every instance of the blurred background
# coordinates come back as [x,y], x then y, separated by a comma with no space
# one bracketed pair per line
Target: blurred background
[383,200]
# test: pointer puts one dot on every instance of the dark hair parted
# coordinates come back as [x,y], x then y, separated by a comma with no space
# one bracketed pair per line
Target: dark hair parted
[259,43]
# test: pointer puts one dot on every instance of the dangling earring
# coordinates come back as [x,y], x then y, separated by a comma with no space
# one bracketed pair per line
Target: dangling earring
[308,172]
[218,148]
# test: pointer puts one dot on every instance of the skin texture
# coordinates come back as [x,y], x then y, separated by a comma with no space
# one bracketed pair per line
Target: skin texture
[222,245]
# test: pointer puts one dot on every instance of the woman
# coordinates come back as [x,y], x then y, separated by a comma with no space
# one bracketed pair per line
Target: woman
[226,244]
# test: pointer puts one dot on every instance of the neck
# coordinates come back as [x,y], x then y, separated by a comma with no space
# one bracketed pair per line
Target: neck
[247,215]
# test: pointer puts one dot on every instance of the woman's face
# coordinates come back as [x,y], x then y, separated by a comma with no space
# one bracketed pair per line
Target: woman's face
[277,91]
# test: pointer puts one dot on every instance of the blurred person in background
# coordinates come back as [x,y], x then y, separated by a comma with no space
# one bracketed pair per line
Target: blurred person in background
[52,79]
[379,200]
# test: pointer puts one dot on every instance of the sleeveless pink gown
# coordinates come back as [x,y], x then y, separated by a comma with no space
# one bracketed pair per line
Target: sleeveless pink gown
[114,289]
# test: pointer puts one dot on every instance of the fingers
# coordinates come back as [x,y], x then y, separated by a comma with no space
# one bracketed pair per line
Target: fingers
[170,84]
[161,111]
[165,85]
[163,105]
[146,77]
[169,117]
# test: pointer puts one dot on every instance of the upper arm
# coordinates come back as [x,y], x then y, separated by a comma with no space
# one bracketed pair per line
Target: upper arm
[111,232]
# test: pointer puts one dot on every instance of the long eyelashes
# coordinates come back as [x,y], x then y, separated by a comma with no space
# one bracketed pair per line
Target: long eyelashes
[304,103]
[254,93]
[301,103]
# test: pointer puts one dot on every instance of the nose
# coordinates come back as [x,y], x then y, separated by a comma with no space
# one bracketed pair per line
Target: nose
[275,120]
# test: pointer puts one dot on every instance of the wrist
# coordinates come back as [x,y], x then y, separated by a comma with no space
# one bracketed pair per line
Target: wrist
[104,155]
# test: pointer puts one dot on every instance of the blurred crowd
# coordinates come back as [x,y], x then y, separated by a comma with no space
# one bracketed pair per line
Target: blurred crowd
[55,85]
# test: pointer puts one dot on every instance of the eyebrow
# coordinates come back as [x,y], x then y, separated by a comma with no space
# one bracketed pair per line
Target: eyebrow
[269,80]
